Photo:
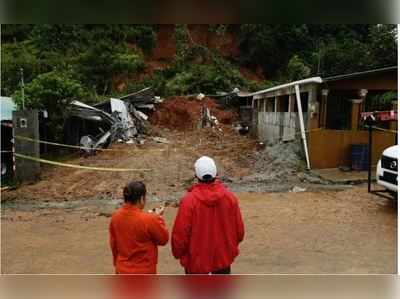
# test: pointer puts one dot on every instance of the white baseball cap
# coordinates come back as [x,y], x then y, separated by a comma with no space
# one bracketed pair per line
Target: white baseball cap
[205,166]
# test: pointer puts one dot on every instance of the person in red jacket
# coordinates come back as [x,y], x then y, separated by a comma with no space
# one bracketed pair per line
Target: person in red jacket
[208,227]
[135,235]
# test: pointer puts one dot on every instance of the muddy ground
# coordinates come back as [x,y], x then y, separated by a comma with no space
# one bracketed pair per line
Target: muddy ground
[59,224]
[325,232]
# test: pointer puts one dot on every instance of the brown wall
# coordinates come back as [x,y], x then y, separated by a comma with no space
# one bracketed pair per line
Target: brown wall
[378,81]
[332,148]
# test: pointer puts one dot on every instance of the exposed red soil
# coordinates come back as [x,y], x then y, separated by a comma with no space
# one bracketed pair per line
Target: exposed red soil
[254,75]
[164,52]
[165,43]
[183,113]
[226,44]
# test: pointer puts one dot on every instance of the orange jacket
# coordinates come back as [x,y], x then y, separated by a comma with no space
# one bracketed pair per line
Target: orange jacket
[134,237]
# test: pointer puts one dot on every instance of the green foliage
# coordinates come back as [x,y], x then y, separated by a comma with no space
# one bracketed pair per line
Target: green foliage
[144,36]
[383,45]
[219,29]
[67,38]
[344,57]
[197,69]
[326,49]
[51,91]
[15,56]
[15,33]
[205,78]
[297,69]
[96,55]
[271,46]
[382,102]
[57,38]
[103,62]
[182,42]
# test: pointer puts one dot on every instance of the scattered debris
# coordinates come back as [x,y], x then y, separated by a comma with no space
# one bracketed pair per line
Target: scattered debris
[208,120]
[200,96]
[160,140]
[298,189]
[105,214]
[345,168]
[241,128]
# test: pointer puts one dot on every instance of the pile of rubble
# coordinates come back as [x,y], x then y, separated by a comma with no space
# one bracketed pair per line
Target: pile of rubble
[188,113]
[124,120]
[279,168]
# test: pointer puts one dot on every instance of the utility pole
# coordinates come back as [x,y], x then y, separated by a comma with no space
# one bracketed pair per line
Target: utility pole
[319,57]
[22,88]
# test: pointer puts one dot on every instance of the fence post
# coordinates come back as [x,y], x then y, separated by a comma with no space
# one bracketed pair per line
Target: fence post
[369,156]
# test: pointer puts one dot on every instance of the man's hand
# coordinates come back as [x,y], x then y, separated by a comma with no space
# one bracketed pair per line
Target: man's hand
[159,210]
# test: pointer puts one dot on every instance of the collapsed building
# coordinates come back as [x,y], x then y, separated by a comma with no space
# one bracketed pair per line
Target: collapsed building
[117,119]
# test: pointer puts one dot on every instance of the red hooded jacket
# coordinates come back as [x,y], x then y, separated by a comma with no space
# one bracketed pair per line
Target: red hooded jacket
[208,228]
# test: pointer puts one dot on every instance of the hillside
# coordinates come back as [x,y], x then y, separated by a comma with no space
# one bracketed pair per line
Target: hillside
[96,61]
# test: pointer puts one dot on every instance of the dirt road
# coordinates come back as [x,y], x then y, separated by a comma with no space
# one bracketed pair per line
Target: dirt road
[59,224]
[326,232]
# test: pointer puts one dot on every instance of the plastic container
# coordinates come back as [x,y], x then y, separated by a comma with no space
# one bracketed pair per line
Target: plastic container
[359,156]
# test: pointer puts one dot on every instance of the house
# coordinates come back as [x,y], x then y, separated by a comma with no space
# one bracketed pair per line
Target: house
[330,109]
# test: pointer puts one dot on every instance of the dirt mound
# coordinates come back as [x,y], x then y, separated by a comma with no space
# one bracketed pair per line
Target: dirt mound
[184,113]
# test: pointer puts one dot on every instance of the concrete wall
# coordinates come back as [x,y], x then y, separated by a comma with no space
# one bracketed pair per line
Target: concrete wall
[274,123]
[280,126]
[26,124]
[332,148]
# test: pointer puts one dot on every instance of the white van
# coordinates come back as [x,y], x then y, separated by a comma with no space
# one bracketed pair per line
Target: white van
[386,170]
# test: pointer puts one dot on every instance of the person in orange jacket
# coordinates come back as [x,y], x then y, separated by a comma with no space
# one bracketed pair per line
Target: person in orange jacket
[135,234]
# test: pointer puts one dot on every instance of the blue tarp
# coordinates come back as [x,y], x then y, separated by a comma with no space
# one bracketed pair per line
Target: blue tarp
[7,106]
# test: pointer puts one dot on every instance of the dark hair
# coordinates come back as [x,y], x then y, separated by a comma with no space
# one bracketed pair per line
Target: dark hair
[134,191]
[207,179]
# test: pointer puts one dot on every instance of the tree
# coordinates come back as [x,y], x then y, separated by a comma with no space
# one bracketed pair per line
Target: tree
[103,62]
[297,69]
[383,45]
[51,91]
[14,57]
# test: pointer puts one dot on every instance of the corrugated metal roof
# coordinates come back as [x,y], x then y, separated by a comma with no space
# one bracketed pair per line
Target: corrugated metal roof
[358,74]
[316,80]
[7,106]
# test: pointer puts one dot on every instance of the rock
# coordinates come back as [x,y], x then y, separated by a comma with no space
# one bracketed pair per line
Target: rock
[298,189]
[105,214]
[226,179]
[160,140]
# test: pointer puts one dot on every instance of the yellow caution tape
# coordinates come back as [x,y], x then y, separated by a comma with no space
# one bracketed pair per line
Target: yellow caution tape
[80,166]
[84,148]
